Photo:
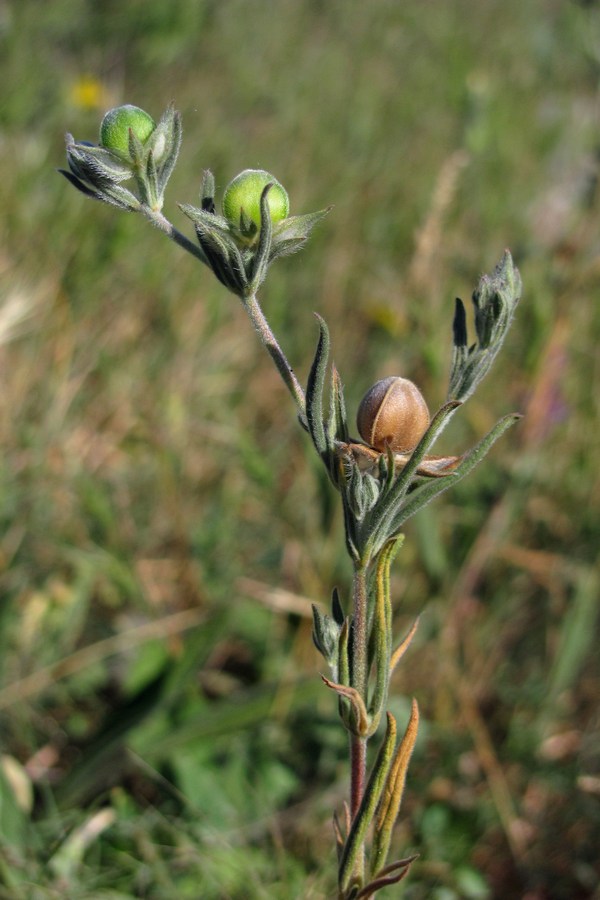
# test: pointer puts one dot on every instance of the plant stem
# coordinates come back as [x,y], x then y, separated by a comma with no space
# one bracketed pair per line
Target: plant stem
[268,339]
[359,631]
[358,775]
[358,767]
[159,221]
[251,305]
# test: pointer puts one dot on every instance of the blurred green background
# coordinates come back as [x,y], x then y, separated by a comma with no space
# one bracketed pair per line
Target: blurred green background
[164,527]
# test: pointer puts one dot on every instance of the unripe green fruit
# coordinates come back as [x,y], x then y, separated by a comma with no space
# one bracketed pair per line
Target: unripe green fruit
[114,130]
[245,191]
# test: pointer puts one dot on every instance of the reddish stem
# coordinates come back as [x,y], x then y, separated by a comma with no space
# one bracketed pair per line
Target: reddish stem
[358,767]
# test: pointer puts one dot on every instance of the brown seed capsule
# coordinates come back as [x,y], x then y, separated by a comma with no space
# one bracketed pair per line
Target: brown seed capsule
[393,414]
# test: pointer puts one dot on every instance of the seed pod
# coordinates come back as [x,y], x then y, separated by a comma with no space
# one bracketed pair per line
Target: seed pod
[244,193]
[114,130]
[393,414]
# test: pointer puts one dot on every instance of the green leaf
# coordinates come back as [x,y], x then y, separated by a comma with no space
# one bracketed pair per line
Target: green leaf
[314,391]
[391,798]
[382,633]
[424,494]
[366,812]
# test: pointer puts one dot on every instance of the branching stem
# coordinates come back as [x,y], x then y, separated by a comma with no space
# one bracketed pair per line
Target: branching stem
[251,305]
[268,339]
[161,222]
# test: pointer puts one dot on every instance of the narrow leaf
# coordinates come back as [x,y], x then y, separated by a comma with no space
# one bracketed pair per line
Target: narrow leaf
[403,647]
[356,701]
[336,607]
[391,798]
[392,874]
[424,494]
[382,628]
[314,390]
[340,832]
[368,806]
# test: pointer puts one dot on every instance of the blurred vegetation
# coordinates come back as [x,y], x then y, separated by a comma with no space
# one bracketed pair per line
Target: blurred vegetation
[163,728]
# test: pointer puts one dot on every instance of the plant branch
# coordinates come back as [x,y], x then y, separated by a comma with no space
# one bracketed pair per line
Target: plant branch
[162,223]
[268,339]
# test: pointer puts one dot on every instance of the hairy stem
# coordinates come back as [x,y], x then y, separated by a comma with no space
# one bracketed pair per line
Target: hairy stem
[161,222]
[251,305]
[268,339]
[358,766]
[358,775]
[359,631]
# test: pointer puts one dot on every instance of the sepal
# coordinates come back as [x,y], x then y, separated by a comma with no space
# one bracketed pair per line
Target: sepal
[299,227]
[164,144]
[98,174]
[222,252]
[97,171]
[240,252]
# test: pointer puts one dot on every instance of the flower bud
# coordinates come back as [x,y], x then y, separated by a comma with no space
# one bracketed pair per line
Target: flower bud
[244,193]
[114,130]
[393,414]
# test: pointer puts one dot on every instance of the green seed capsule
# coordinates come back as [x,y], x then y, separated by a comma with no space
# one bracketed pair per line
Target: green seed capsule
[114,130]
[244,193]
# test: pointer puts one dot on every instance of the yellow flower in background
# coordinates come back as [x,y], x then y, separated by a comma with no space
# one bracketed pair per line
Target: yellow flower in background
[89,93]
